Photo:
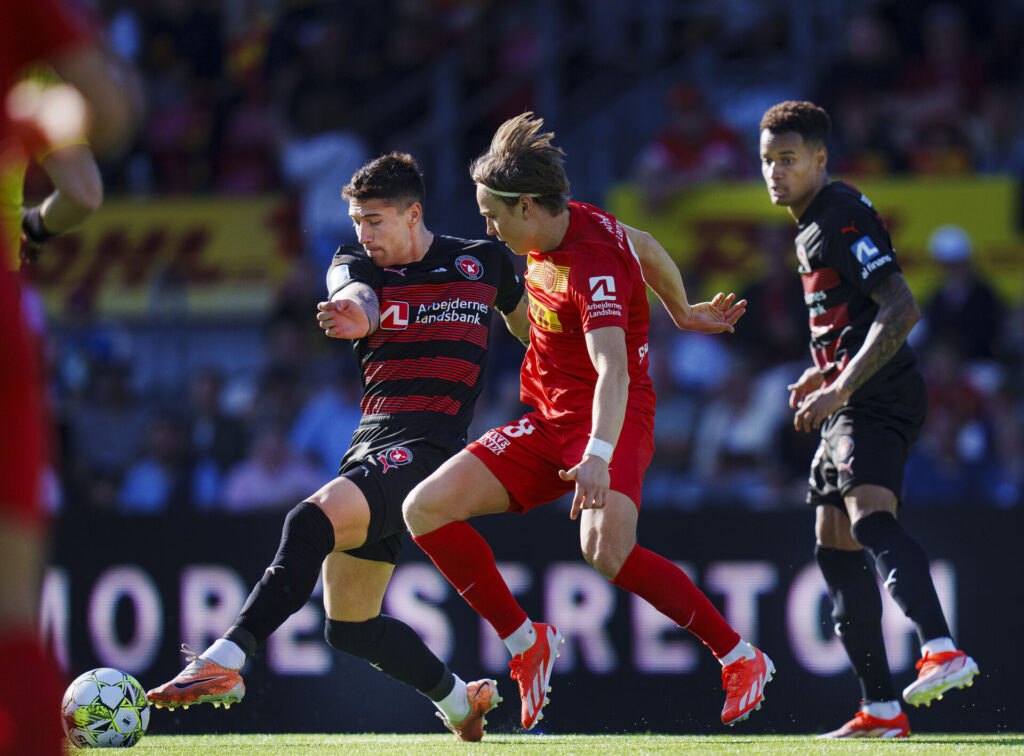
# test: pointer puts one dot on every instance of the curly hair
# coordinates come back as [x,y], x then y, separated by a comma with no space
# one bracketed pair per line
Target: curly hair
[805,118]
[394,176]
[524,160]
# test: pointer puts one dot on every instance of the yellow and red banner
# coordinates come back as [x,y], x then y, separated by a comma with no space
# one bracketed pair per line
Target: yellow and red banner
[216,257]
[713,231]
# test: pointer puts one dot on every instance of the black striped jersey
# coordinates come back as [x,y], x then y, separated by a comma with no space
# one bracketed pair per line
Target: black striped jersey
[844,250]
[424,365]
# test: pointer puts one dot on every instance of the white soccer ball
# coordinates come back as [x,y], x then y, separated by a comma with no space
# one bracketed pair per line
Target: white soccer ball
[105,708]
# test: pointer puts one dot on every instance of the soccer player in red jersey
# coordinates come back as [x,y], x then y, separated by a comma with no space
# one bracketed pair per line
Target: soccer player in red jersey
[585,372]
[30,33]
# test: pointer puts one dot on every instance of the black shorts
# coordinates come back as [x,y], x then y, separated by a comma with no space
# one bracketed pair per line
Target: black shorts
[865,445]
[386,464]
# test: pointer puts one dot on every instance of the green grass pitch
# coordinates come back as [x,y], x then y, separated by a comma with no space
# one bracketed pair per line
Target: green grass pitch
[610,745]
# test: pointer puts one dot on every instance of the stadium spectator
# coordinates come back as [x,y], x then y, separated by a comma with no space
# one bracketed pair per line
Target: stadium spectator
[1001,138]
[866,395]
[964,311]
[162,478]
[421,375]
[325,423]
[585,364]
[777,318]
[696,145]
[317,128]
[246,153]
[944,468]
[936,94]
[107,431]
[857,88]
[271,475]
[217,438]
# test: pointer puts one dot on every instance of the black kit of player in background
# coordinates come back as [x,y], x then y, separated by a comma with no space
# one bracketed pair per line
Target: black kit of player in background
[844,251]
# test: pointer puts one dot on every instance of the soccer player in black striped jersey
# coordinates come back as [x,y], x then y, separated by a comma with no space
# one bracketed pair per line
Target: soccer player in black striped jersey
[417,308]
[868,398]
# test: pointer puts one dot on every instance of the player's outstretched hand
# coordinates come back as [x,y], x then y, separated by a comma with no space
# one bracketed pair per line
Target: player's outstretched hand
[716,316]
[592,484]
[342,319]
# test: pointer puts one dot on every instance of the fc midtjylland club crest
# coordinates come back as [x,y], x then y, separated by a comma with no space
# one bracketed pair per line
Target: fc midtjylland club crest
[396,456]
[469,266]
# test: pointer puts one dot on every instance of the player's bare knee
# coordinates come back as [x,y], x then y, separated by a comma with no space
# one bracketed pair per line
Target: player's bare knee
[832,528]
[422,509]
[604,560]
[412,509]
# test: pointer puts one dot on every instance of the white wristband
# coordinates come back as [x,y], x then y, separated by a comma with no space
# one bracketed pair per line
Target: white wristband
[598,448]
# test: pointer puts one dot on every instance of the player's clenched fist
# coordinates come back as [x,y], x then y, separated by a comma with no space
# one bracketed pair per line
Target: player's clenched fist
[342,319]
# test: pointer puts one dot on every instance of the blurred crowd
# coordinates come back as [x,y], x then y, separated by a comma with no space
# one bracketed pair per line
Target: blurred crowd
[249,97]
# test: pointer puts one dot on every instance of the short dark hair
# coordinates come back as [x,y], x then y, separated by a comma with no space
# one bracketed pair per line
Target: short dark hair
[805,118]
[522,159]
[394,176]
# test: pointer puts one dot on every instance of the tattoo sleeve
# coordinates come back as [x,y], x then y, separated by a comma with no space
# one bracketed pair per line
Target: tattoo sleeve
[897,314]
[366,298]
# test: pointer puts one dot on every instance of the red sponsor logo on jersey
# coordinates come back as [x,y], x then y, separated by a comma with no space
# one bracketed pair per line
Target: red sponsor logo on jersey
[852,228]
[399,271]
[394,457]
[394,316]
[470,267]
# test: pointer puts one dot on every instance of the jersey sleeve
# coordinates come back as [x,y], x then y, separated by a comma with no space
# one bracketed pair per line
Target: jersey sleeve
[43,29]
[863,256]
[511,285]
[349,266]
[600,285]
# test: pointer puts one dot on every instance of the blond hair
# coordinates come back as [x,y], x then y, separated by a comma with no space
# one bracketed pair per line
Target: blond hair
[523,160]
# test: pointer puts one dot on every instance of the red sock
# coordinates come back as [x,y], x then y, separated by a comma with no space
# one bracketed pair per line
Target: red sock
[30,693]
[464,557]
[668,589]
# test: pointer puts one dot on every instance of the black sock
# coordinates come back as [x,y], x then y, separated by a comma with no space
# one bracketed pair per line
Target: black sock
[857,611]
[396,650]
[903,567]
[306,540]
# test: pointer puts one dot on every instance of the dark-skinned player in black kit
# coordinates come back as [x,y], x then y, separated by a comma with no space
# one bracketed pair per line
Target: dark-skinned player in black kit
[866,395]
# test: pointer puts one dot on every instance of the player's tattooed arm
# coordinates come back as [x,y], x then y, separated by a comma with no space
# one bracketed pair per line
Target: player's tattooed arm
[897,314]
[353,312]
[366,298]
[518,321]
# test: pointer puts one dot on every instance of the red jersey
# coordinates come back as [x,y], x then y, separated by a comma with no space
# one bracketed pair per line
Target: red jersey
[34,32]
[592,280]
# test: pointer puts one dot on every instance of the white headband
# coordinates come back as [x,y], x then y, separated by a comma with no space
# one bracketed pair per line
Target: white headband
[501,193]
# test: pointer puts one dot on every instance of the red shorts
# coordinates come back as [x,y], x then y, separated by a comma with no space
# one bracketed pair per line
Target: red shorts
[21,413]
[527,454]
